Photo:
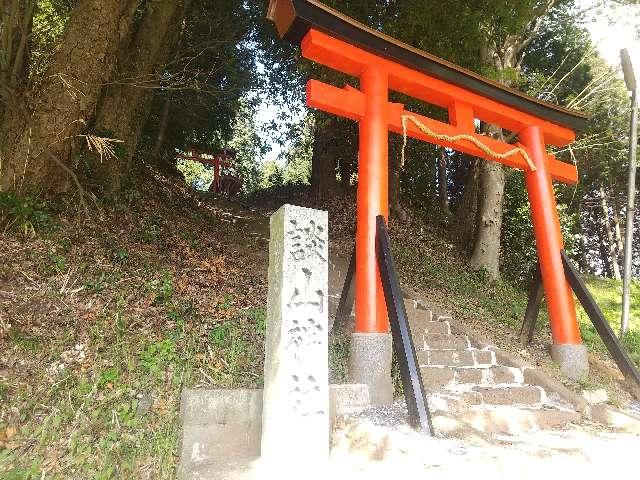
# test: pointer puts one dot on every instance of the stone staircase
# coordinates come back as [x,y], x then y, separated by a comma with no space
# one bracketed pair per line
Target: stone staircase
[467,386]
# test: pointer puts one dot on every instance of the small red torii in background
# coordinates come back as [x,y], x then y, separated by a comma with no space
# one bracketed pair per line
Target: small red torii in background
[221,159]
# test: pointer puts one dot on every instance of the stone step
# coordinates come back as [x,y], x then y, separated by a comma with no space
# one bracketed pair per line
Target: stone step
[438,377]
[454,401]
[437,327]
[422,327]
[453,358]
[415,314]
[527,395]
[443,341]
[502,419]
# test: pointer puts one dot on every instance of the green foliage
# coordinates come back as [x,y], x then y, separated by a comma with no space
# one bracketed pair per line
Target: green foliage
[519,254]
[298,158]
[24,214]
[109,376]
[25,342]
[257,317]
[150,232]
[209,79]
[219,335]
[121,255]
[157,356]
[17,473]
[250,147]
[197,175]
[49,21]
[179,313]
[97,282]
[272,175]
[162,289]
[338,358]
[58,262]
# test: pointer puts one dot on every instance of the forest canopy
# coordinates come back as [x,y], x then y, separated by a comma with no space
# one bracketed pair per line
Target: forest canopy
[93,93]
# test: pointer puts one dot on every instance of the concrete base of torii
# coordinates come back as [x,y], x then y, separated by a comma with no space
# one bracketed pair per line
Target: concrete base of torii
[573,360]
[370,360]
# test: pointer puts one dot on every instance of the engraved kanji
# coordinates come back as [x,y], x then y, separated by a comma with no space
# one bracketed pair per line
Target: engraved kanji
[308,240]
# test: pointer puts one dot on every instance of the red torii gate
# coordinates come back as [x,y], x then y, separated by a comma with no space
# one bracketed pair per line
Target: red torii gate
[221,159]
[381,63]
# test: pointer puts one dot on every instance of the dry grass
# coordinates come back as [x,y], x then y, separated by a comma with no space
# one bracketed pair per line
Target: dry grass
[102,325]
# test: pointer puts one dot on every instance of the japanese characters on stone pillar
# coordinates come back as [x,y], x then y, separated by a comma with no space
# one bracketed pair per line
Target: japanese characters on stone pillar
[295,424]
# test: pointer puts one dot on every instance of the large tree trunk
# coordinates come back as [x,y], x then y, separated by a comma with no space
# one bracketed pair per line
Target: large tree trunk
[161,153]
[604,254]
[616,227]
[468,209]
[124,106]
[442,183]
[486,250]
[323,160]
[395,170]
[161,136]
[583,244]
[16,19]
[502,57]
[37,146]
[613,253]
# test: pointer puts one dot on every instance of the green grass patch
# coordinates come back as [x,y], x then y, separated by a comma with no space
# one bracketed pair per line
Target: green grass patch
[608,294]
[115,415]
[25,214]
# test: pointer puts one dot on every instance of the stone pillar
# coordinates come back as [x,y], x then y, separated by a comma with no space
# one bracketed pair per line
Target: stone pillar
[295,421]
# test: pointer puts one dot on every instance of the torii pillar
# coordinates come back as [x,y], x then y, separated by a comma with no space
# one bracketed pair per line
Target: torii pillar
[372,325]
[383,64]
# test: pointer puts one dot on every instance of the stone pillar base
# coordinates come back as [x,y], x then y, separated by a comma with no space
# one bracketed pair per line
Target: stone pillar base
[370,363]
[572,359]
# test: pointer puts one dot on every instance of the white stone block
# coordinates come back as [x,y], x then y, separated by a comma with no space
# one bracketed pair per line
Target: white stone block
[595,397]
[295,422]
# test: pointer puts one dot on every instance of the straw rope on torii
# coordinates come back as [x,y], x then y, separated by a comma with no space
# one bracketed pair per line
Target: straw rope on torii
[462,136]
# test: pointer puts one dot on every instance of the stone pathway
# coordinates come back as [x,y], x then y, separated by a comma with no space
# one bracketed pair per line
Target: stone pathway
[469,388]
[364,449]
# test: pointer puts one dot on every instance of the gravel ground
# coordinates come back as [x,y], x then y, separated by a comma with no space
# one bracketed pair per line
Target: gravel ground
[633,408]
[378,443]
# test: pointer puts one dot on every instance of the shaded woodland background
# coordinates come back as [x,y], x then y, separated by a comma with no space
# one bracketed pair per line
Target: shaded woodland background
[95,93]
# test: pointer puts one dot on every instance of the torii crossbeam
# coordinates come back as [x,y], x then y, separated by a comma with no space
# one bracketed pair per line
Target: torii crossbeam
[381,64]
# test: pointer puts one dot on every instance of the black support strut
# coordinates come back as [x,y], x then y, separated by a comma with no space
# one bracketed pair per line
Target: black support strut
[625,364]
[536,293]
[414,392]
[345,305]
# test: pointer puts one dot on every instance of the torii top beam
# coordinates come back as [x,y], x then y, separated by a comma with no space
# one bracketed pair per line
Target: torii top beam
[493,103]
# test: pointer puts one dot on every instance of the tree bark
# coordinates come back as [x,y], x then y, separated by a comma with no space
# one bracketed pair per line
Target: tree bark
[604,254]
[502,56]
[323,161]
[583,244]
[161,137]
[64,102]
[124,106]
[613,253]
[468,209]
[616,224]
[396,209]
[442,183]
[486,250]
